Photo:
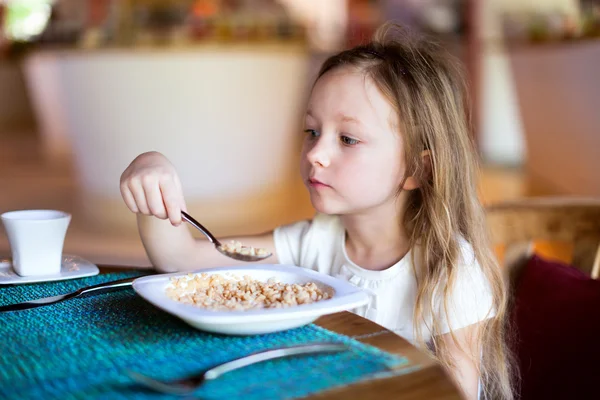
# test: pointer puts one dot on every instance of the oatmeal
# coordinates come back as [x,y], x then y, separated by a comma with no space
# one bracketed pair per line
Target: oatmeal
[220,293]
[236,247]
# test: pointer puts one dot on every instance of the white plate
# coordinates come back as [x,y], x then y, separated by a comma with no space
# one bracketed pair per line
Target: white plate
[252,322]
[72,267]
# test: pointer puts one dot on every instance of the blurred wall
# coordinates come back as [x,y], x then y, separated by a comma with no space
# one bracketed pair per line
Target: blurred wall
[326,21]
[15,111]
[568,6]
[502,136]
[559,93]
[203,107]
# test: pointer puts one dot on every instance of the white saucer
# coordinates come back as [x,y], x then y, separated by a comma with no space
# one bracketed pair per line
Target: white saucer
[72,267]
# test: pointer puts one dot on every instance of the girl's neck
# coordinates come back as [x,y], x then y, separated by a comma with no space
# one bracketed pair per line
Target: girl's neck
[376,239]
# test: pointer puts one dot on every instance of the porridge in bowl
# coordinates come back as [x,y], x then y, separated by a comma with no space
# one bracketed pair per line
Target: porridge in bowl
[222,293]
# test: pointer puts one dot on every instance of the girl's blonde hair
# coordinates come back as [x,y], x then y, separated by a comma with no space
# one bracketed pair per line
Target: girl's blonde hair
[427,90]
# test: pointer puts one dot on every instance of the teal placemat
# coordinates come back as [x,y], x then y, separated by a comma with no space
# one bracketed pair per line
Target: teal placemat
[81,348]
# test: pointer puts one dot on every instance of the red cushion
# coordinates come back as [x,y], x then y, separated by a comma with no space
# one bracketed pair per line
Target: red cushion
[557,319]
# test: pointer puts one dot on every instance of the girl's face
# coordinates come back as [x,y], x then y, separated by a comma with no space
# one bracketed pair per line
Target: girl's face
[352,156]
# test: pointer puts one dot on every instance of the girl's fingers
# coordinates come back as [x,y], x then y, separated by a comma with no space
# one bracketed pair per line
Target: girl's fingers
[154,199]
[128,198]
[137,191]
[172,199]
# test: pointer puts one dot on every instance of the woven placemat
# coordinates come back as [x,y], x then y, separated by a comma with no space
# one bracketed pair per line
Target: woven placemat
[81,348]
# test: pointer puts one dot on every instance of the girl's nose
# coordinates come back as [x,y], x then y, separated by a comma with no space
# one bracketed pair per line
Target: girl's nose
[319,154]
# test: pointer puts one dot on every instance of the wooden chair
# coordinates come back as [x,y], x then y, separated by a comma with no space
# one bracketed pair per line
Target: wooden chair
[517,225]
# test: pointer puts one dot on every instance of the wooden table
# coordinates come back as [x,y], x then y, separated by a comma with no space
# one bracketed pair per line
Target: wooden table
[428,382]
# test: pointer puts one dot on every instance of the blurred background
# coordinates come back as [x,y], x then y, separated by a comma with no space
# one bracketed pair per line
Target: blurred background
[219,86]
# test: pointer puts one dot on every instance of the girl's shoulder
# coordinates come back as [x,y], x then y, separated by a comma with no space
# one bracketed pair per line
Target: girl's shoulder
[319,224]
[470,297]
[467,260]
[296,241]
[467,254]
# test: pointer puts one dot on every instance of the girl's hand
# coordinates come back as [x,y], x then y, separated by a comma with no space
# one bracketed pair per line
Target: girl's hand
[150,186]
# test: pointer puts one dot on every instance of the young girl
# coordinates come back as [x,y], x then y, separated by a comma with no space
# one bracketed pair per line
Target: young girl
[390,168]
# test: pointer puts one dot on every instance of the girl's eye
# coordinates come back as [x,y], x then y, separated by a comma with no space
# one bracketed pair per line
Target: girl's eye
[312,133]
[349,141]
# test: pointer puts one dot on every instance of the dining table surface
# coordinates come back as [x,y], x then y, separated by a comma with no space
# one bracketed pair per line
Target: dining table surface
[427,380]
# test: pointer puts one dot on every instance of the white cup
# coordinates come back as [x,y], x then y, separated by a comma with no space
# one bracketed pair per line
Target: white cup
[36,240]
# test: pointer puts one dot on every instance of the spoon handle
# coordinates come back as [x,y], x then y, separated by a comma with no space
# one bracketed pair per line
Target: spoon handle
[201,228]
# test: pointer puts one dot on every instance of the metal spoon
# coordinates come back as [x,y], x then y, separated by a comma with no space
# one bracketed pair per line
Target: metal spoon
[218,245]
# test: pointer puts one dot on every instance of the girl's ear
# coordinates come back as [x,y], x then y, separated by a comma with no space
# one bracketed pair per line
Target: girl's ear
[414,182]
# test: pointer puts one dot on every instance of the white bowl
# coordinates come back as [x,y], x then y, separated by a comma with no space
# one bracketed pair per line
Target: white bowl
[252,322]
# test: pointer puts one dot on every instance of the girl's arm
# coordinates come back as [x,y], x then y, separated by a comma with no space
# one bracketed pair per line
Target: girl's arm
[173,248]
[151,188]
[466,354]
